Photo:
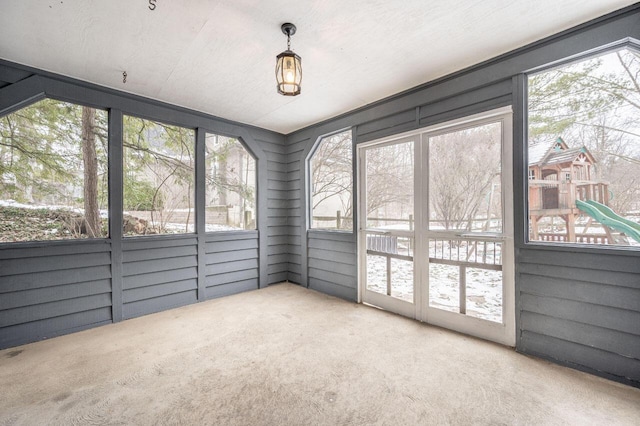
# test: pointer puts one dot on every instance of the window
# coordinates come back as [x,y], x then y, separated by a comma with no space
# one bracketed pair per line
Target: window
[158,178]
[53,173]
[584,140]
[231,185]
[331,178]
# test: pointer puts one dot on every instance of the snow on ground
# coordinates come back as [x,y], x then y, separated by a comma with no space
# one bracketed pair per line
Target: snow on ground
[104,214]
[484,287]
[214,228]
[12,203]
[176,228]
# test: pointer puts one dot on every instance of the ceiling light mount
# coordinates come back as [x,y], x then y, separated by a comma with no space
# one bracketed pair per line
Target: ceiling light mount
[288,66]
[288,29]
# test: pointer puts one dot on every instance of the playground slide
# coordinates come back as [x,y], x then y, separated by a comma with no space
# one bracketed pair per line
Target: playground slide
[606,216]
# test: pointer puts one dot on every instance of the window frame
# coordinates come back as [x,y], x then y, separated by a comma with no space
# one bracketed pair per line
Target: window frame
[522,83]
[28,101]
[124,237]
[256,184]
[308,192]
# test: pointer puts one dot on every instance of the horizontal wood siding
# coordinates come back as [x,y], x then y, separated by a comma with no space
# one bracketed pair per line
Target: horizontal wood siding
[53,289]
[582,310]
[158,273]
[50,288]
[277,212]
[332,263]
[297,205]
[485,98]
[231,263]
[389,125]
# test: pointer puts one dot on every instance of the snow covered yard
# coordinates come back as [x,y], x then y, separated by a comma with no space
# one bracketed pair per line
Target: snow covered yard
[483,286]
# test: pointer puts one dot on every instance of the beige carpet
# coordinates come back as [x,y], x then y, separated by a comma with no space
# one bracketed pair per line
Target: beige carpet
[287,355]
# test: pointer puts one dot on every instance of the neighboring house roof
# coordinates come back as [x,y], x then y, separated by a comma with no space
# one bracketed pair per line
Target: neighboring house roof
[556,152]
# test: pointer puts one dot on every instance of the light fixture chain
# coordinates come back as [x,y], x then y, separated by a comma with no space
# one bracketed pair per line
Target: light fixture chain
[288,41]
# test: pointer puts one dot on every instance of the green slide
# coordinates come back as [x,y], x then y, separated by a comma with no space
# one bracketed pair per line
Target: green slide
[606,216]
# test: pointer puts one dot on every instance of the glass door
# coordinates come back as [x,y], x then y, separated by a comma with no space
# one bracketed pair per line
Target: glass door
[468,257]
[435,233]
[387,235]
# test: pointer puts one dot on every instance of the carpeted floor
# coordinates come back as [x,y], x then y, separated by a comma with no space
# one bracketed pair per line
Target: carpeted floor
[288,355]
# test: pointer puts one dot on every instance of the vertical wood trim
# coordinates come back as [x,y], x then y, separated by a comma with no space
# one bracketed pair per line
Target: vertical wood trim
[519,159]
[359,241]
[115,210]
[305,207]
[463,290]
[520,179]
[305,215]
[262,218]
[200,212]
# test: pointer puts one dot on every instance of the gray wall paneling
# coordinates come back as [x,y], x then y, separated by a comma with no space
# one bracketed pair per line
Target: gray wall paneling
[139,275]
[231,261]
[46,291]
[309,253]
[276,207]
[297,259]
[575,306]
[158,273]
[332,263]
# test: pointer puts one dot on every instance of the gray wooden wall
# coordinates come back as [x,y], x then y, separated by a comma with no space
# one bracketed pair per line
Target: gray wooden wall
[48,291]
[52,288]
[576,306]
[158,274]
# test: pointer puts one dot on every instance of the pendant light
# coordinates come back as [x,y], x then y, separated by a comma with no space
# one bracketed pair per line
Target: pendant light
[288,66]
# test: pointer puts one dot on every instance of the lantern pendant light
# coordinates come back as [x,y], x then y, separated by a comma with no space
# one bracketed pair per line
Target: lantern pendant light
[288,66]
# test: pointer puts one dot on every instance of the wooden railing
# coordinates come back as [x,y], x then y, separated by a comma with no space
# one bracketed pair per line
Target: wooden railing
[464,252]
[580,238]
[554,194]
[339,220]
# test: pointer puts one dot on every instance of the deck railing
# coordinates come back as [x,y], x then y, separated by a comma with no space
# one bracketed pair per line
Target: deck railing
[479,252]
[554,194]
[580,238]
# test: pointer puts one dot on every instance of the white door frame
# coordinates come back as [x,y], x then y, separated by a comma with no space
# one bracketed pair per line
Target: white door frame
[502,333]
[408,309]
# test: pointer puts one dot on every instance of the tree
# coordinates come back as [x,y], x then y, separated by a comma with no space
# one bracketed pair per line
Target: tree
[159,157]
[90,161]
[44,150]
[390,181]
[464,170]
[331,176]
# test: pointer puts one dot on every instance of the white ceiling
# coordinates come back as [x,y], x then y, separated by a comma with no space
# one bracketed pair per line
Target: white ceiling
[218,56]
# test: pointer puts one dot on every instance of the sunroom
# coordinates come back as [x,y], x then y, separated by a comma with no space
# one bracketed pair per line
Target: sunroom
[433,203]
